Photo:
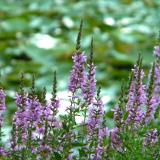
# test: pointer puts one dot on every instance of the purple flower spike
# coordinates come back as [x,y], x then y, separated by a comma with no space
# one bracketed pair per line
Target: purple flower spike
[78,75]
[96,113]
[33,110]
[151,138]
[152,107]
[131,96]
[140,88]
[137,92]
[21,99]
[115,139]
[137,98]
[54,106]
[157,80]
[99,150]
[141,98]
[89,88]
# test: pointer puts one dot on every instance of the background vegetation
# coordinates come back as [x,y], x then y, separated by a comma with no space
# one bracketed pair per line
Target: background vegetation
[39,37]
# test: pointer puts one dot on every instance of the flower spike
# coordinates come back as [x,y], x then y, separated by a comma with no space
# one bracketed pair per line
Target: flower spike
[78,45]
[54,86]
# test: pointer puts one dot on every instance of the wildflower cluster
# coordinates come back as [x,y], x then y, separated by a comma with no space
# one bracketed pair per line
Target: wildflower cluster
[40,131]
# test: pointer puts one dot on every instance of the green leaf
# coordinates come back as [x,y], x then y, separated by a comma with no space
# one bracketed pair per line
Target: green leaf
[125,116]
[57,156]
[78,144]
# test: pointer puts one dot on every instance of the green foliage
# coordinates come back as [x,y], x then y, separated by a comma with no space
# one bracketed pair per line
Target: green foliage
[37,36]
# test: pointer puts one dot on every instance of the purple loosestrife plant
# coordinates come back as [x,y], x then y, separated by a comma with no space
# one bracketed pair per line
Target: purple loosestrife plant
[121,108]
[119,118]
[89,87]
[95,116]
[152,98]
[78,74]
[157,76]
[151,138]
[156,53]
[95,119]
[137,96]
[20,115]
[140,111]
[78,77]
[101,147]
[40,131]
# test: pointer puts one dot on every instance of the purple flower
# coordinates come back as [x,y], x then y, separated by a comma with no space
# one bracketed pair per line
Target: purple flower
[151,138]
[117,116]
[137,98]
[99,149]
[156,51]
[89,86]
[3,152]
[33,110]
[49,113]
[24,135]
[19,118]
[140,114]
[20,121]
[78,75]
[50,117]
[21,99]
[152,107]
[27,117]
[45,150]
[34,150]
[54,105]
[131,95]
[115,139]
[103,132]
[140,89]
[70,157]
[157,80]
[137,93]
[41,129]
[141,97]
[20,113]
[95,117]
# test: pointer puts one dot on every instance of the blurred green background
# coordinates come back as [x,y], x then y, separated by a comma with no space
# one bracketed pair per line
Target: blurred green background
[39,37]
